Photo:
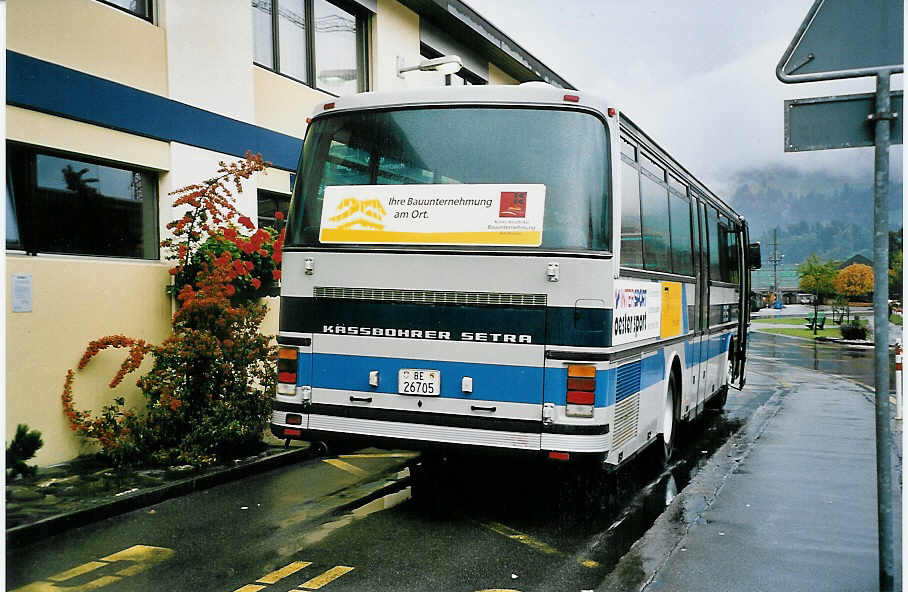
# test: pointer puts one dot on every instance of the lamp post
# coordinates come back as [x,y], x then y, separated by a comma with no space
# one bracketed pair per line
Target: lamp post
[449,64]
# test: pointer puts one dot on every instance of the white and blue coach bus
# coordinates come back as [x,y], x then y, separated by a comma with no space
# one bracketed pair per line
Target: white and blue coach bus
[504,268]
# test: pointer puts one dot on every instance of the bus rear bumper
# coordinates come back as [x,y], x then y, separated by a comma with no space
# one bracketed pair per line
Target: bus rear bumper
[395,434]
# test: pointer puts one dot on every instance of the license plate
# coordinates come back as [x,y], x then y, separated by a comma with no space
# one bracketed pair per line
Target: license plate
[417,381]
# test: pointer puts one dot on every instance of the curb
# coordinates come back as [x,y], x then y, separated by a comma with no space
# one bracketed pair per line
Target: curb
[53,525]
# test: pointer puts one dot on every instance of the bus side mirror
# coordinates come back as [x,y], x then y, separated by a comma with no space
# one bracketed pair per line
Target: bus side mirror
[754,259]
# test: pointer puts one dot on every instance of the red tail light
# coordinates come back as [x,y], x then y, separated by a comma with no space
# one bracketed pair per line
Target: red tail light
[581,390]
[286,365]
[580,398]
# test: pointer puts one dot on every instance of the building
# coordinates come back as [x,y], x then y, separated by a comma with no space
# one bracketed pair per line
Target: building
[112,104]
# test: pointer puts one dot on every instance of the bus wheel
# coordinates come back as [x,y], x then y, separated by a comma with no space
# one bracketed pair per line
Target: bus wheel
[669,419]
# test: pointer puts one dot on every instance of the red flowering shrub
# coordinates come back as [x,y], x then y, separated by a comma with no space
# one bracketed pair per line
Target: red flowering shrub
[208,393]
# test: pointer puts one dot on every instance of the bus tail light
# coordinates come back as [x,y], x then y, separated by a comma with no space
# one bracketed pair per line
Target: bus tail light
[559,455]
[581,390]
[286,370]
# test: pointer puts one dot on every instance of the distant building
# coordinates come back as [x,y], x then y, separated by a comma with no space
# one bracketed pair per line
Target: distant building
[857,259]
[112,104]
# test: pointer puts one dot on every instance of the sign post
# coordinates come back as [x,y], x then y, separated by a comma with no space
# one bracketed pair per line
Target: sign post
[849,39]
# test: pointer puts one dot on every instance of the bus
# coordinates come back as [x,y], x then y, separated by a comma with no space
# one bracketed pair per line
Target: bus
[504,269]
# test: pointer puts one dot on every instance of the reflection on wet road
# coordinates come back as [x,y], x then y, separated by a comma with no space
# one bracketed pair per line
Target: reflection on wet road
[853,362]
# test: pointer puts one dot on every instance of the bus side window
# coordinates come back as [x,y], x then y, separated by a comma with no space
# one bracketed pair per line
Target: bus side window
[681,235]
[631,237]
[712,232]
[654,216]
[733,258]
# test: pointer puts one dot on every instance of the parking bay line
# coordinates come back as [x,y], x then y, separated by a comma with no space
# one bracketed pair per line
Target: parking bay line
[326,578]
[283,572]
[531,542]
[142,557]
[345,466]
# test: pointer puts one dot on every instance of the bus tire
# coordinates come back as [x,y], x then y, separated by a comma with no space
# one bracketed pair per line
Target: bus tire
[670,419]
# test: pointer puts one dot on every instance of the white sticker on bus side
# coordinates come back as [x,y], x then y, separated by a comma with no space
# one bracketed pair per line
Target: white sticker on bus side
[638,311]
[448,214]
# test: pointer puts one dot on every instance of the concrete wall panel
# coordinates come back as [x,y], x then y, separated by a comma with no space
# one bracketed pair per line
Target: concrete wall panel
[209,51]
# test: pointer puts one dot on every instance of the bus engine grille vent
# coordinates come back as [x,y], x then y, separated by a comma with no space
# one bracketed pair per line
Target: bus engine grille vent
[627,403]
[431,296]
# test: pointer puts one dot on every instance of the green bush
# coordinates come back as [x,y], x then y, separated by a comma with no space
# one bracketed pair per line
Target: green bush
[854,329]
[23,447]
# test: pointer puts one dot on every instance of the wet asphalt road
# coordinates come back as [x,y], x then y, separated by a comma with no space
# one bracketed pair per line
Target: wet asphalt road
[493,528]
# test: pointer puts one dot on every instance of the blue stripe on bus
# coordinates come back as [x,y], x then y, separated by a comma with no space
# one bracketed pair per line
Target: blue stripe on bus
[627,380]
[491,382]
[50,88]
[304,369]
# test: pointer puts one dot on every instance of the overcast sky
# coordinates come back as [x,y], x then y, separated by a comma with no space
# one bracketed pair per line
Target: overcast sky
[698,75]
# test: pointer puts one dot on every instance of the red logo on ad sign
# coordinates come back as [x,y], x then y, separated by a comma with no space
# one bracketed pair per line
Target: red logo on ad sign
[513,204]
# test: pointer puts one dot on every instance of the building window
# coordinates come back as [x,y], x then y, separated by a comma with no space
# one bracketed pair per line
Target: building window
[312,41]
[269,204]
[76,205]
[141,8]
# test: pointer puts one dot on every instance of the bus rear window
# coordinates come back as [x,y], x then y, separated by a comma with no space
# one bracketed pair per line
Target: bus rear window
[565,153]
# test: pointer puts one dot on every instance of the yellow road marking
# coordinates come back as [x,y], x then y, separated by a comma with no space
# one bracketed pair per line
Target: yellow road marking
[521,537]
[249,588]
[142,556]
[536,544]
[381,455]
[345,466]
[327,577]
[76,571]
[283,572]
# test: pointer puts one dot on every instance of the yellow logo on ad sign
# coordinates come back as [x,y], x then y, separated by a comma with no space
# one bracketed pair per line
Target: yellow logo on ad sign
[361,210]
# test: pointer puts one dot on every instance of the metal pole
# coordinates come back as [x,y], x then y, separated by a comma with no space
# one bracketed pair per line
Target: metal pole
[881,119]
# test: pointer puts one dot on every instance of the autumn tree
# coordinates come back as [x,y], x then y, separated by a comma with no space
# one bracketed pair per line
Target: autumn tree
[818,277]
[854,280]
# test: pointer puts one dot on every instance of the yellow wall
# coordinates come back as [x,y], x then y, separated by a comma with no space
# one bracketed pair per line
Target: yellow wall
[282,104]
[498,76]
[92,38]
[51,131]
[76,300]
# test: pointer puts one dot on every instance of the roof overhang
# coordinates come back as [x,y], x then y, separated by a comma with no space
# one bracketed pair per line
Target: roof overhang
[466,26]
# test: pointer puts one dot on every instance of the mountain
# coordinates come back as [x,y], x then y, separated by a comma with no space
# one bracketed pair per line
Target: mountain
[815,211]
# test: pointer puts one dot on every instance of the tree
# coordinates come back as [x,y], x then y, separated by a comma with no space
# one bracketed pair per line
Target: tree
[854,280]
[817,277]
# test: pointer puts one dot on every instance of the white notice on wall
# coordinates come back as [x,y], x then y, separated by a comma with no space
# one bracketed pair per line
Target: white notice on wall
[445,214]
[22,293]
[638,311]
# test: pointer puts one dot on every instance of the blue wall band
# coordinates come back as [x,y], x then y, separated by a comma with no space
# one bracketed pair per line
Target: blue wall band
[42,86]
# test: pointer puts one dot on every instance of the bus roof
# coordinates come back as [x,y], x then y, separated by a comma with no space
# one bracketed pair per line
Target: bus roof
[528,92]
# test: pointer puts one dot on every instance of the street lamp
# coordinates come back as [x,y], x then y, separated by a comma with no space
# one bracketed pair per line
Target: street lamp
[449,64]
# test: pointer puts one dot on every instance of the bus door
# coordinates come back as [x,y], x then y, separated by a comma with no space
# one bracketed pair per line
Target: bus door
[702,338]
[743,306]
